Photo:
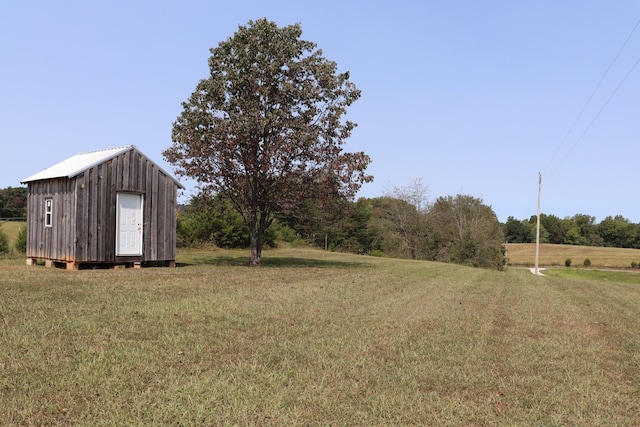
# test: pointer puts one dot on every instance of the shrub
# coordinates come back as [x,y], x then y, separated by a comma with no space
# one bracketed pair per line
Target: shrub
[586,262]
[567,262]
[4,243]
[634,264]
[21,242]
[377,253]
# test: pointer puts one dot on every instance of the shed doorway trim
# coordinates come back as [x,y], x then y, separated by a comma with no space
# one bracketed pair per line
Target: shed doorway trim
[129,224]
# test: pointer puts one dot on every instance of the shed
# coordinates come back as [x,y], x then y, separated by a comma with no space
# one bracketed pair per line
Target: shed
[107,207]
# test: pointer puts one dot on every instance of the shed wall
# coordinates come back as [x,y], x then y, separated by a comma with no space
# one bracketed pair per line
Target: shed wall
[55,242]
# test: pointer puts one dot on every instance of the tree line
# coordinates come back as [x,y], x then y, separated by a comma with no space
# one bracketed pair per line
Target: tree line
[399,224]
[403,224]
[460,229]
[580,229]
[13,203]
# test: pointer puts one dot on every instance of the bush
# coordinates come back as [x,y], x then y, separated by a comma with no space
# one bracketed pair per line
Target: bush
[586,262]
[21,241]
[634,264]
[567,262]
[4,243]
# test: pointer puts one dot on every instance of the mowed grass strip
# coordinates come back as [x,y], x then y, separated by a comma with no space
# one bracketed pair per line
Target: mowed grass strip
[594,274]
[315,338]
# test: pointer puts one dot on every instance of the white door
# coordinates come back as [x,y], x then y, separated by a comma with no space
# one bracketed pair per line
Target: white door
[129,224]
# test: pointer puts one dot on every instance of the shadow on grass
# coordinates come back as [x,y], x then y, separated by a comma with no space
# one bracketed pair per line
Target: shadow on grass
[274,262]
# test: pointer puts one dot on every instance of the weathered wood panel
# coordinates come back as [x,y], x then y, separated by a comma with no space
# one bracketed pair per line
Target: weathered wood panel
[82,218]
[66,232]
[170,219]
[35,221]
[124,159]
[110,196]
[49,242]
[162,216]
[153,223]
[92,229]
[102,202]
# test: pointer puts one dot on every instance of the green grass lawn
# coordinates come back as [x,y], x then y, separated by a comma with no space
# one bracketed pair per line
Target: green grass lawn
[315,338]
[631,276]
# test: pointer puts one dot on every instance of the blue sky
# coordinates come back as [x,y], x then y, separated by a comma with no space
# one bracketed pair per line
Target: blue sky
[471,97]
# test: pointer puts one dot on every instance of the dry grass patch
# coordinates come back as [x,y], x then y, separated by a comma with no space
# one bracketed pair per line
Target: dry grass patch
[314,338]
[523,254]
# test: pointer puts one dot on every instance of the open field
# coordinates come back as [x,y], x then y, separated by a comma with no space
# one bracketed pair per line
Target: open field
[523,254]
[315,338]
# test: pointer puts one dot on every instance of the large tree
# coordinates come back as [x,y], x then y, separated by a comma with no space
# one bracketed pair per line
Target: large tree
[618,232]
[404,210]
[516,231]
[466,231]
[267,127]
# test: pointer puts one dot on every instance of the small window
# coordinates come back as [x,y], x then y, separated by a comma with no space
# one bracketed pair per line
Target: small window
[48,210]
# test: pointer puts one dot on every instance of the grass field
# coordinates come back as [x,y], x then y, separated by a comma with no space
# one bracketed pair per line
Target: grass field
[315,338]
[11,229]
[523,254]
[618,276]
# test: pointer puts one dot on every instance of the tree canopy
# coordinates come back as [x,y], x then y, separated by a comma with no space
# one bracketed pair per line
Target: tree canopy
[267,127]
[460,229]
[13,202]
[464,230]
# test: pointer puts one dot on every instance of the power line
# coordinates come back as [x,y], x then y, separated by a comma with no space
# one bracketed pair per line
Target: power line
[597,115]
[584,107]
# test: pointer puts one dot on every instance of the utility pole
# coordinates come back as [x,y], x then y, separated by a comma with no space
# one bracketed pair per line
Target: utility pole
[538,223]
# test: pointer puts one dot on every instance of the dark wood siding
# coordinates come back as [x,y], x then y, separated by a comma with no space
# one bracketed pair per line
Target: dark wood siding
[84,212]
[55,242]
[95,215]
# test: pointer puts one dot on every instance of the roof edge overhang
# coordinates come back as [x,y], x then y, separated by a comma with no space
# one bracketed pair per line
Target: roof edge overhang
[68,169]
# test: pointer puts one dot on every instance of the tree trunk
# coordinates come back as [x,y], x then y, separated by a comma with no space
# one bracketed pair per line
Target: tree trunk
[256,243]
[255,255]
[257,228]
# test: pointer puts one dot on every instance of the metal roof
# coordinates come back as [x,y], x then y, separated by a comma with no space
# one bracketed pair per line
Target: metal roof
[79,163]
